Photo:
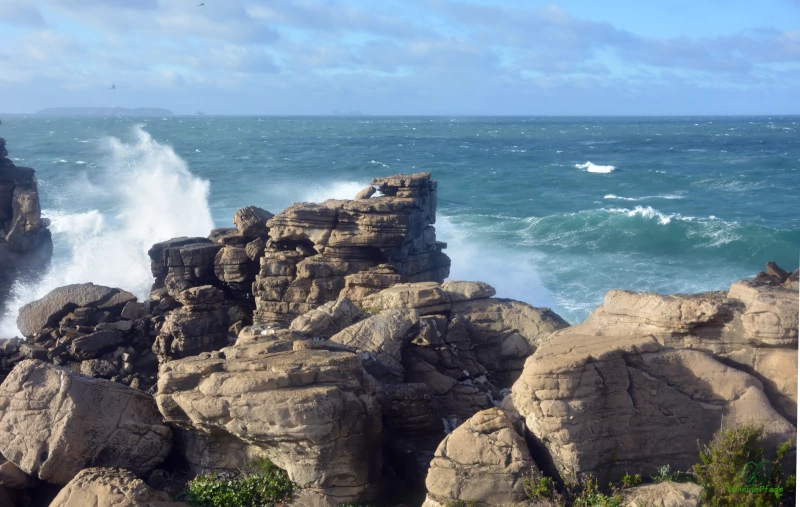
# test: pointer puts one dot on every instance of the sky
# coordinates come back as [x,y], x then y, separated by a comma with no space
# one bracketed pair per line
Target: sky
[409,57]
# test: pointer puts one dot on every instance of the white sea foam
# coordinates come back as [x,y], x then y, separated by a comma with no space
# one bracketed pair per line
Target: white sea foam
[155,198]
[592,168]
[336,190]
[620,198]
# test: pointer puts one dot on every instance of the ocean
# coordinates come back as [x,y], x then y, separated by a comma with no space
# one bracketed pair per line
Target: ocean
[551,211]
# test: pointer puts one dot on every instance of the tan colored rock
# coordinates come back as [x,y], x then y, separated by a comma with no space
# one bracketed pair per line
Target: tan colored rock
[111,487]
[252,221]
[771,314]
[427,297]
[54,422]
[777,370]
[663,494]
[189,330]
[484,460]
[328,319]
[588,398]
[382,338]
[306,410]
[13,478]
[365,193]
[466,291]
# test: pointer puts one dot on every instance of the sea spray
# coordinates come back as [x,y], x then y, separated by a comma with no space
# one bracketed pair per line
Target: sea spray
[156,198]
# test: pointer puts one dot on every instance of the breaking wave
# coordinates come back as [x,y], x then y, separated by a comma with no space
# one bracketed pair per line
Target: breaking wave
[593,168]
[151,196]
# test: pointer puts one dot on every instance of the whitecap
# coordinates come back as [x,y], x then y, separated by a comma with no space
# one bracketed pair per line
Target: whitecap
[80,162]
[592,168]
[157,198]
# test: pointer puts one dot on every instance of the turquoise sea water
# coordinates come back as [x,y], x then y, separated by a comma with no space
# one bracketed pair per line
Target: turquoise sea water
[530,205]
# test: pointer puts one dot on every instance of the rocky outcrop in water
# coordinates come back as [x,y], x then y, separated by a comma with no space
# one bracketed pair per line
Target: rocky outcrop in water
[317,250]
[25,242]
[325,339]
[93,330]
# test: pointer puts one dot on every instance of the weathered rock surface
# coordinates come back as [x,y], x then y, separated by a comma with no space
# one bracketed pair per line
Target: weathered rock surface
[252,221]
[328,319]
[307,410]
[485,460]
[54,423]
[111,487]
[663,494]
[46,312]
[314,248]
[588,397]
[25,242]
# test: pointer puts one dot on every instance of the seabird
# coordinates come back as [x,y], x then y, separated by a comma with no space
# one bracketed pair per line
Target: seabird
[200,5]
[113,87]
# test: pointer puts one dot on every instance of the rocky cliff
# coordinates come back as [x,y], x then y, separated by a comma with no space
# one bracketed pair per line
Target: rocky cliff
[25,242]
[324,339]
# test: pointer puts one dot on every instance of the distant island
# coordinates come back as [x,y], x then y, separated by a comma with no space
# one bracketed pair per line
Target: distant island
[104,111]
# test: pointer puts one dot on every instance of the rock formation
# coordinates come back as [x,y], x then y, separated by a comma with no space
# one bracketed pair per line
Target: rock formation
[111,487]
[308,411]
[25,242]
[94,330]
[485,460]
[314,248]
[646,376]
[325,339]
[54,423]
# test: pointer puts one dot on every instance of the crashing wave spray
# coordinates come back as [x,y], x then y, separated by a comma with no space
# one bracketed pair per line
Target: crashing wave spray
[151,197]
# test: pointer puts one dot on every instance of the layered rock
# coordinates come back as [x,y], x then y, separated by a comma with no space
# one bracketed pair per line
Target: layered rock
[98,331]
[439,354]
[25,242]
[54,423]
[485,460]
[317,250]
[307,410]
[593,394]
[111,487]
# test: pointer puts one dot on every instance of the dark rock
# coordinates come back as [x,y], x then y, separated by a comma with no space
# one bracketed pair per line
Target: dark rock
[31,351]
[776,271]
[95,344]
[49,310]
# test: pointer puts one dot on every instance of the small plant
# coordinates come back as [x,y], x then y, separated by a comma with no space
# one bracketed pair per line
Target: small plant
[589,495]
[261,484]
[734,471]
[544,488]
[629,481]
[665,474]
[463,503]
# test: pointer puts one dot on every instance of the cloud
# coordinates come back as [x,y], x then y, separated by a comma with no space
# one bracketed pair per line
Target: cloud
[19,13]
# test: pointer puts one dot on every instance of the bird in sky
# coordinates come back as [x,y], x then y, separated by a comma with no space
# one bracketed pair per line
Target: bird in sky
[200,5]
[113,87]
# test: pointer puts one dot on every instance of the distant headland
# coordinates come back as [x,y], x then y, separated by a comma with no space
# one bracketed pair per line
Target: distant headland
[104,111]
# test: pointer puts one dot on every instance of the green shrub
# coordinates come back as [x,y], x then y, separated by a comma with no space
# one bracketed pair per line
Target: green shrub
[463,503]
[734,471]
[262,484]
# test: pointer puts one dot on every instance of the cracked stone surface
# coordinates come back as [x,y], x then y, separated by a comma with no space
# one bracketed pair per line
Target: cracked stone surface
[111,487]
[72,422]
[307,410]
[590,399]
[485,459]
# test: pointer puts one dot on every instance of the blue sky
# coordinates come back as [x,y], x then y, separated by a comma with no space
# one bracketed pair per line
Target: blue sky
[447,57]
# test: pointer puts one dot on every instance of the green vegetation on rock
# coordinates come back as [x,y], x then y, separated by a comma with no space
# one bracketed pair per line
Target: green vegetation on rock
[261,484]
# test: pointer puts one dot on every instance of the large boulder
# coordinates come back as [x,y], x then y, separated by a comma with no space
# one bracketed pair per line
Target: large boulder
[49,310]
[328,319]
[111,487]
[190,330]
[54,423]
[485,460]
[593,399]
[662,494]
[307,410]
